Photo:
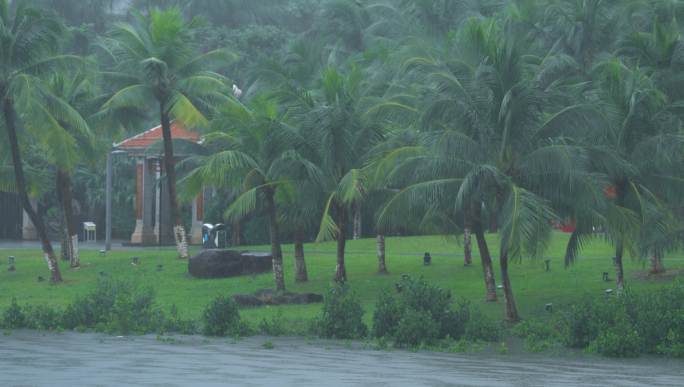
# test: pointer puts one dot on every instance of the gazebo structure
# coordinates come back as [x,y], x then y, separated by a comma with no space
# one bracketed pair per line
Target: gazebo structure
[153,225]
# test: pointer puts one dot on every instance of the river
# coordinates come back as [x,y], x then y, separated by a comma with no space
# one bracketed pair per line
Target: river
[29,358]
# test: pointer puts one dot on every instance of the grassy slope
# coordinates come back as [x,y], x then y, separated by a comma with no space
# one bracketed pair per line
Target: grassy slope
[533,286]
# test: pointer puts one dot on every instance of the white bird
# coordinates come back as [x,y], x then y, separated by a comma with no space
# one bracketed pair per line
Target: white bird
[236,91]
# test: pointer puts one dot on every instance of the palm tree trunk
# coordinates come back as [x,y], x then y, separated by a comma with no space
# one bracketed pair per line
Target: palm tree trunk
[340,270]
[235,239]
[486,258]
[657,266]
[357,222]
[380,244]
[301,274]
[71,236]
[276,251]
[511,309]
[36,218]
[619,269]
[467,247]
[179,234]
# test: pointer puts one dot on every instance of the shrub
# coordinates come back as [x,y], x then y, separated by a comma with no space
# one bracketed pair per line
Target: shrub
[538,334]
[672,346]
[480,327]
[42,317]
[620,340]
[416,327]
[585,320]
[115,306]
[221,317]
[13,317]
[273,327]
[174,323]
[387,314]
[342,316]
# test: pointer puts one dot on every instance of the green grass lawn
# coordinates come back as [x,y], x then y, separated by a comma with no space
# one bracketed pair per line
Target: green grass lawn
[533,287]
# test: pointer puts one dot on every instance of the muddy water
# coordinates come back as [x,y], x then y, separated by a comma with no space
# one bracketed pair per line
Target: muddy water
[69,359]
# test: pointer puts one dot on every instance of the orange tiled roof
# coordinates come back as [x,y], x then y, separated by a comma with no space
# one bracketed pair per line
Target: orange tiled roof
[149,137]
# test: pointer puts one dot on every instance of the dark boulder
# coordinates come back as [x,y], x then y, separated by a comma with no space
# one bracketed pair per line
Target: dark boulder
[217,263]
[271,297]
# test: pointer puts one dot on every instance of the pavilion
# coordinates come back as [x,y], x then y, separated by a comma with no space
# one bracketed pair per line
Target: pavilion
[153,225]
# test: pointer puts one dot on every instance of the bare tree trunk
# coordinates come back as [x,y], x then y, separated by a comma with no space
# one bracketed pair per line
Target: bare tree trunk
[486,258]
[657,265]
[235,238]
[276,250]
[36,218]
[467,247]
[64,190]
[511,309]
[341,270]
[380,244]
[357,222]
[301,274]
[619,269]
[179,234]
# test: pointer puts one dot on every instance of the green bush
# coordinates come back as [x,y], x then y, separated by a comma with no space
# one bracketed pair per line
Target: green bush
[620,340]
[416,327]
[14,317]
[342,316]
[174,323]
[42,317]
[221,318]
[387,314]
[415,300]
[115,306]
[275,326]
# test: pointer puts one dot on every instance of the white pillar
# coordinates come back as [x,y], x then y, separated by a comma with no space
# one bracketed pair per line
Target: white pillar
[28,230]
[197,219]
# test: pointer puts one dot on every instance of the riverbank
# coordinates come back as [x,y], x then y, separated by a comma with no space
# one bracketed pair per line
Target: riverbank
[534,287]
[62,359]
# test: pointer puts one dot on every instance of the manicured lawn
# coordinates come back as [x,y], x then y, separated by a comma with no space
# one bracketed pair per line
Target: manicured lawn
[533,286]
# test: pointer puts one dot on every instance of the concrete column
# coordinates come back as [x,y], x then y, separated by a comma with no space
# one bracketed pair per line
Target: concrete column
[137,236]
[157,198]
[197,219]
[165,223]
[28,230]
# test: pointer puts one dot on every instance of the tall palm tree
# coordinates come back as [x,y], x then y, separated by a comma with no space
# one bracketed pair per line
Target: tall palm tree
[253,147]
[29,48]
[157,62]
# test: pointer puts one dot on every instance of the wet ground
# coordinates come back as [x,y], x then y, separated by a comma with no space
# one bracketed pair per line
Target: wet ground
[68,359]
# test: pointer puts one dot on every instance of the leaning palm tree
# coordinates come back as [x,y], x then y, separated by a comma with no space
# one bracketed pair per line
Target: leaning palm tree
[29,45]
[157,63]
[253,147]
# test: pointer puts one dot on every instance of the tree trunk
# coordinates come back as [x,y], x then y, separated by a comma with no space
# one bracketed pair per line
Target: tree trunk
[619,269]
[235,238]
[511,309]
[357,233]
[36,218]
[300,264]
[179,234]
[65,194]
[341,271]
[380,244]
[276,251]
[657,266]
[467,247]
[486,258]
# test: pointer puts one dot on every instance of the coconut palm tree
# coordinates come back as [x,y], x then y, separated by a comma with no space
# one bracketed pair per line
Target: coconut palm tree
[253,147]
[157,63]
[29,48]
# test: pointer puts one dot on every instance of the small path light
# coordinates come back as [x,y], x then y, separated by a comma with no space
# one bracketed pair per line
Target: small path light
[40,279]
[135,261]
[427,259]
[548,307]
[548,264]
[614,260]
[160,267]
[103,253]
[609,292]
[605,277]
[499,287]
[102,274]
[10,263]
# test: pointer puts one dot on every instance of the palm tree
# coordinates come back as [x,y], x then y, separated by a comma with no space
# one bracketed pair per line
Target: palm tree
[30,42]
[157,60]
[253,147]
